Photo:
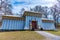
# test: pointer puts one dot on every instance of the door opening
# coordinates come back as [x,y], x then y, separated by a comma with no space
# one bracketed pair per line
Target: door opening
[34,25]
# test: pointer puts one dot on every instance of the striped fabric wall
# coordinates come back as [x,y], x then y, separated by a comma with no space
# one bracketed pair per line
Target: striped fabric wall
[48,25]
[12,24]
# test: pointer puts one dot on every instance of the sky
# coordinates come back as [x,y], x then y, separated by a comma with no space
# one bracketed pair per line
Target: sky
[19,4]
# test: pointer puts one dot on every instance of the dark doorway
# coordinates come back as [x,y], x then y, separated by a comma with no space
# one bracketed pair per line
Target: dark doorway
[34,25]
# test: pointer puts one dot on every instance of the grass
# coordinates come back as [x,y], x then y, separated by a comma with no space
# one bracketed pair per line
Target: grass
[20,35]
[55,32]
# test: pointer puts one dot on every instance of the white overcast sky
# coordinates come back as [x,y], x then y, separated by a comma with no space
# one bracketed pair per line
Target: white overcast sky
[18,4]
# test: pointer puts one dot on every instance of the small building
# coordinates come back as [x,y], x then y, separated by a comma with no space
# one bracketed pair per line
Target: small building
[28,21]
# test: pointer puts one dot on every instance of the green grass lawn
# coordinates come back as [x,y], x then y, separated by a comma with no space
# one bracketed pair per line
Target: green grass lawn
[55,32]
[20,35]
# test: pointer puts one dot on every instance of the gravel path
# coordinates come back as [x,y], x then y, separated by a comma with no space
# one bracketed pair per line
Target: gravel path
[48,36]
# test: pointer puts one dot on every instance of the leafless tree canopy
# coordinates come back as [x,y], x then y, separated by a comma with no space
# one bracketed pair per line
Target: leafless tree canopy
[5,7]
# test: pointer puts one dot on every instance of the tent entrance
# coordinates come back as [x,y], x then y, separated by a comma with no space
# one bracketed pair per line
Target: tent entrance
[34,25]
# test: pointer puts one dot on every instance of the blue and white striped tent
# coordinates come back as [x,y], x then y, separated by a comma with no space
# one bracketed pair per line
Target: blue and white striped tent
[29,20]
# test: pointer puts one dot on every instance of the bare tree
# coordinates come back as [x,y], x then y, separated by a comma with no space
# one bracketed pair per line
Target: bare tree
[6,7]
[45,11]
[56,12]
[40,9]
[22,10]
